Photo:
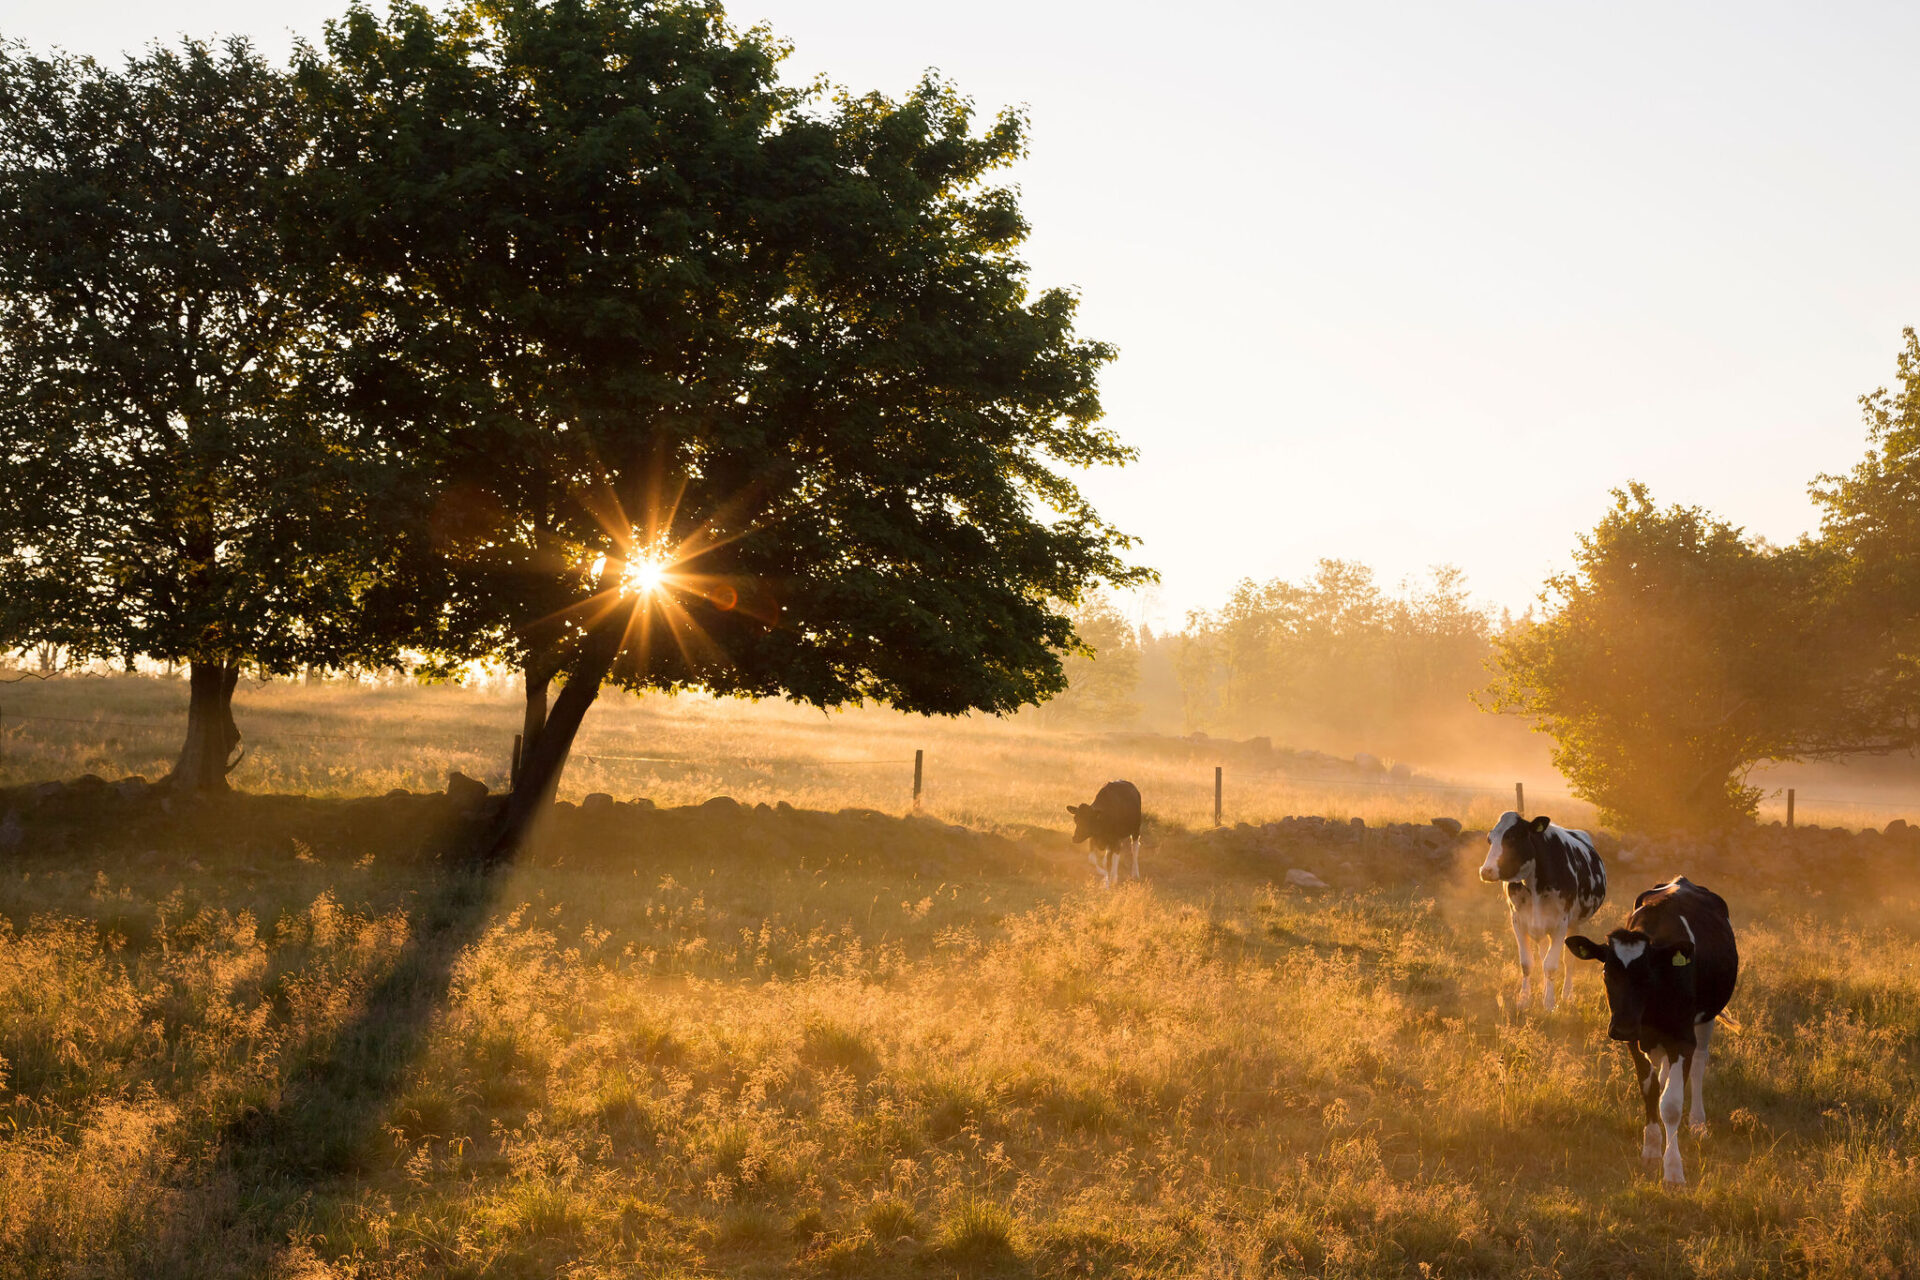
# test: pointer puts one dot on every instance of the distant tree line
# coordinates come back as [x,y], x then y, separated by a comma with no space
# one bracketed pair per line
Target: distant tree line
[1332,657]
[1675,655]
[558,332]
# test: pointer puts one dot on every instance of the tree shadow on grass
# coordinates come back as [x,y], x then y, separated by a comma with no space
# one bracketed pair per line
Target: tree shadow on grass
[272,1165]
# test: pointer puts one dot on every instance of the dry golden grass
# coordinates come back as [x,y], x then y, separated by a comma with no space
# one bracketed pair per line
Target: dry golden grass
[338,739]
[783,1043]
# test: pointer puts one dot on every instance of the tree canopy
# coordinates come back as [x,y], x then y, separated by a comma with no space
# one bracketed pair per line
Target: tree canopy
[779,352]
[1675,655]
[180,480]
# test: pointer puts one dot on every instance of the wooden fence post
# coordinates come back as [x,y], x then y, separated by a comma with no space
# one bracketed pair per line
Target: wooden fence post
[1216,795]
[919,758]
[513,775]
[1789,808]
[1520,798]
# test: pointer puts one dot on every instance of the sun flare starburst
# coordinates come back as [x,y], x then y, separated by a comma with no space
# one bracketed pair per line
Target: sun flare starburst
[644,576]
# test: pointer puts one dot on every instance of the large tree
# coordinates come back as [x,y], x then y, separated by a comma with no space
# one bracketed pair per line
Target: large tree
[1678,653]
[1871,527]
[737,388]
[181,479]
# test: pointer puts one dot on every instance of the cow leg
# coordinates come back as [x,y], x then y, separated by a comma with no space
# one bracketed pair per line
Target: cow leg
[1697,1074]
[1672,1096]
[1113,868]
[1099,861]
[1550,966]
[1526,962]
[1136,857]
[1646,1073]
[1566,983]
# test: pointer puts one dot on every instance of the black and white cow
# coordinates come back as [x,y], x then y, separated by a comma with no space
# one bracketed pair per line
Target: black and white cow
[1111,823]
[1670,972]
[1555,882]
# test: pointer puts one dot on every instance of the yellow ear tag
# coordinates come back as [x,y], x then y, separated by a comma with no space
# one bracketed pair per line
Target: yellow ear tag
[1679,960]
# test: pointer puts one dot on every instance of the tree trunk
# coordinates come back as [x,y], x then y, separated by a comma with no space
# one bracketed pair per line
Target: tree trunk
[544,757]
[211,733]
[538,671]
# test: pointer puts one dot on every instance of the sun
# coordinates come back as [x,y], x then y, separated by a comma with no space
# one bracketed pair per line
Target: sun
[644,576]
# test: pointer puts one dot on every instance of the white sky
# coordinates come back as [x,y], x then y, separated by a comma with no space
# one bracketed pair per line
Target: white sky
[1409,283]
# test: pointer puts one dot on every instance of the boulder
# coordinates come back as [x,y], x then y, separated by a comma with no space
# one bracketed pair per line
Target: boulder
[466,793]
[1305,879]
[12,835]
[721,804]
[1449,825]
[131,788]
[1898,829]
[597,802]
[641,802]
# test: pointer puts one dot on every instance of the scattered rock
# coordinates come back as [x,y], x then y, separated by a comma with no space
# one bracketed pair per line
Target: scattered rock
[597,802]
[466,793]
[1358,824]
[641,802]
[1305,879]
[399,793]
[1449,825]
[721,804]
[131,788]
[1899,828]
[12,836]
[48,791]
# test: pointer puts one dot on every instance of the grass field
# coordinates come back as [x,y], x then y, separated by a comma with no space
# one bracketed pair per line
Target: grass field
[339,739]
[283,1038]
[276,1036]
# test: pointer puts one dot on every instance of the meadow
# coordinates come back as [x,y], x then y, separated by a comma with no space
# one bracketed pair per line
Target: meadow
[340,738]
[290,1037]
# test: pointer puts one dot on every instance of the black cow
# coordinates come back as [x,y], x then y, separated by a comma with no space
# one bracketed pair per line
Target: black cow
[1669,974]
[1555,881]
[1109,824]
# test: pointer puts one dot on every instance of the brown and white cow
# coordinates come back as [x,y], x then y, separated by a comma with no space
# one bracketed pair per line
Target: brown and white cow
[1111,823]
[1670,973]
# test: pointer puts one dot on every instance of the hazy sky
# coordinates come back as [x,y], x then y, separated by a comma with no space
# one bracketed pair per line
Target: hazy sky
[1414,283]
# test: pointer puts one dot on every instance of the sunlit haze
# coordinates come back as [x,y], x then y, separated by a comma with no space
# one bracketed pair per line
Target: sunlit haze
[1409,284]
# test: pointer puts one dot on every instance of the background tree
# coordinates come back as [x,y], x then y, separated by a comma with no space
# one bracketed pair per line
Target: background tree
[740,392]
[1103,676]
[1870,524]
[1676,655]
[1335,659]
[179,480]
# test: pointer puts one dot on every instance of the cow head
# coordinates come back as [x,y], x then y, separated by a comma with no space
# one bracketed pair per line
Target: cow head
[1512,847]
[1650,989]
[1082,821]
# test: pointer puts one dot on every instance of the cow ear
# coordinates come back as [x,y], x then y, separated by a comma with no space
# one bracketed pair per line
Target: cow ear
[1681,955]
[1540,824]
[1074,810]
[1585,948]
